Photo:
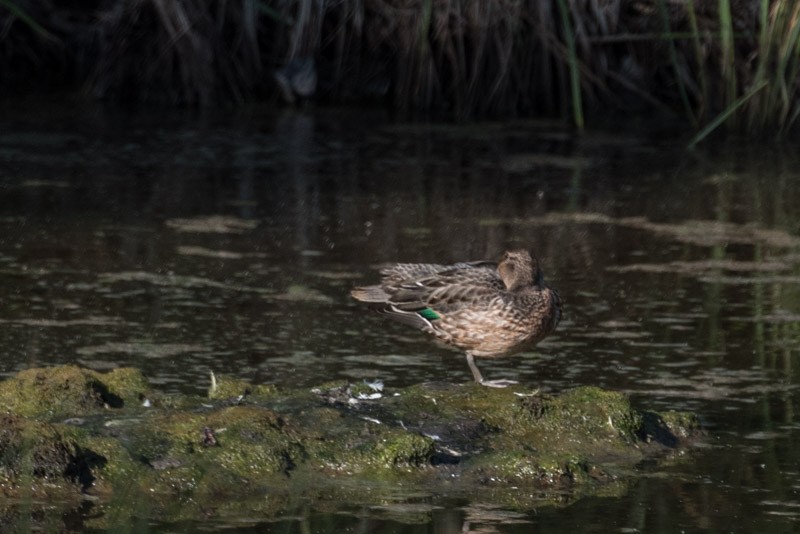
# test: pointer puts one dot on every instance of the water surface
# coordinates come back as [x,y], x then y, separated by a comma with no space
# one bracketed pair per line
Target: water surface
[185,245]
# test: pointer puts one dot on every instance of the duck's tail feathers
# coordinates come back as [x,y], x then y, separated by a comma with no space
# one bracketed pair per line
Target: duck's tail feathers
[374,294]
[408,313]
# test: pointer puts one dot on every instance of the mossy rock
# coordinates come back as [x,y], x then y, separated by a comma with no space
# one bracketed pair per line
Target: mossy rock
[254,441]
[513,436]
[227,387]
[33,453]
[125,383]
[51,392]
[514,467]
[249,441]
[403,449]
[193,455]
[376,450]
[585,420]
[115,465]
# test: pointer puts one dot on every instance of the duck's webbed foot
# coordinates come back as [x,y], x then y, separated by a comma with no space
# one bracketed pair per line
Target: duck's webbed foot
[488,383]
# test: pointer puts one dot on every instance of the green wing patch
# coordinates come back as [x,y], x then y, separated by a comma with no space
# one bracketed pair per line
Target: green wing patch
[429,314]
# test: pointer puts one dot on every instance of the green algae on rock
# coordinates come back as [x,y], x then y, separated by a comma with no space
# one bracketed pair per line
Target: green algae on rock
[70,390]
[211,454]
[512,437]
[227,387]
[40,460]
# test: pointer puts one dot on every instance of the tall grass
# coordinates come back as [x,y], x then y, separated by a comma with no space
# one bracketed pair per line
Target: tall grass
[189,52]
[677,65]
[574,66]
[728,56]
[697,48]
[778,68]
[579,59]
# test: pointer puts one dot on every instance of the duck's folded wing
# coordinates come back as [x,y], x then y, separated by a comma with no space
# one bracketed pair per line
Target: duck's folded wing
[422,306]
[418,294]
[404,273]
[407,282]
[448,291]
[459,297]
[397,273]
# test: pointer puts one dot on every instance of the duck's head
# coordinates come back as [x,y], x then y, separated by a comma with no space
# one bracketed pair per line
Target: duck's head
[519,269]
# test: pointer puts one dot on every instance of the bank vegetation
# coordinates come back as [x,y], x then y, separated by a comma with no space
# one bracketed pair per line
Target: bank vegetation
[710,62]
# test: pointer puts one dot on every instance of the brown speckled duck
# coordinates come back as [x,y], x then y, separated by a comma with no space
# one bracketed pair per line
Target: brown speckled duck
[484,308]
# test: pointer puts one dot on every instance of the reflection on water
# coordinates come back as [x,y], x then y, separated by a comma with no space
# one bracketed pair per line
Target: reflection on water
[231,245]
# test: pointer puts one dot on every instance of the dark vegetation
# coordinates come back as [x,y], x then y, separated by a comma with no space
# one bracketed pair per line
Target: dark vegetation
[709,61]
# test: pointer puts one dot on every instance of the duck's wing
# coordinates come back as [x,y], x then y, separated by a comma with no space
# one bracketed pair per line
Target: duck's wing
[397,273]
[418,293]
[459,286]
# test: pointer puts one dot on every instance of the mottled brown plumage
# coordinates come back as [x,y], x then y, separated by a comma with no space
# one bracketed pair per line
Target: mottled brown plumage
[486,309]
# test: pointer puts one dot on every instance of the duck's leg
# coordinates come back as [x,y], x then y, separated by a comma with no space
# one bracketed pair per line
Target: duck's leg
[479,378]
[474,368]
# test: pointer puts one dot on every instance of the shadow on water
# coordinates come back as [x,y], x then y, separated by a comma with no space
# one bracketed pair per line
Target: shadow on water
[183,246]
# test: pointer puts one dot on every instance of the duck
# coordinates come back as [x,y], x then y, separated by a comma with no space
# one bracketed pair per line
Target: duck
[485,309]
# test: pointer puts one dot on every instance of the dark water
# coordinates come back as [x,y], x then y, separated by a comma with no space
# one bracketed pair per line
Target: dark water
[184,245]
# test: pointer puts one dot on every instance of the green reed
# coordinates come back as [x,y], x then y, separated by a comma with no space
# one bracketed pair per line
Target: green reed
[727,55]
[573,64]
[778,60]
[17,11]
[697,48]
